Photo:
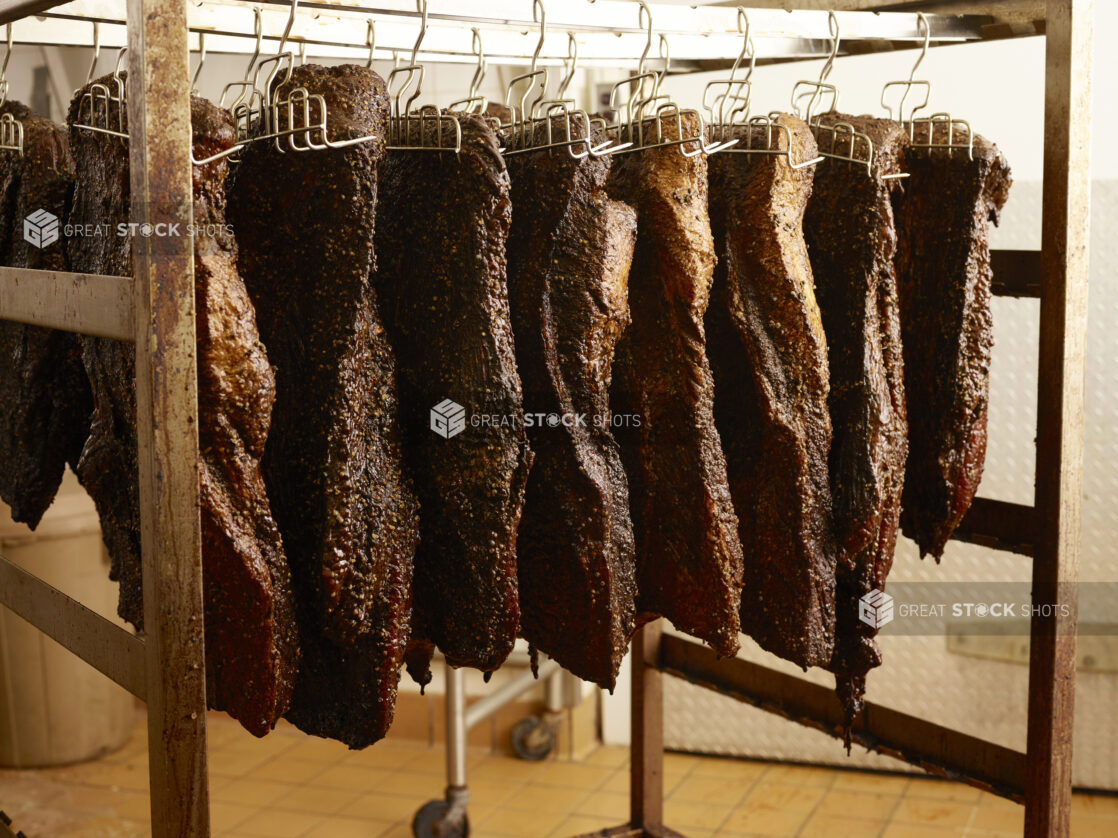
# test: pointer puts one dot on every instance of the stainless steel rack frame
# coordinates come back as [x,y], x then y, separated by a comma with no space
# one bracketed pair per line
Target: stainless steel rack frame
[155,309]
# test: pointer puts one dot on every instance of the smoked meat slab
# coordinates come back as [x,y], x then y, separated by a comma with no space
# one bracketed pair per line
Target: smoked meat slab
[689,557]
[943,268]
[569,253]
[849,227]
[44,393]
[441,273]
[251,643]
[333,465]
[768,354]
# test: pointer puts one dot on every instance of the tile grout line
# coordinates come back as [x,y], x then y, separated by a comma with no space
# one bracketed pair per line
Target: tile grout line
[749,788]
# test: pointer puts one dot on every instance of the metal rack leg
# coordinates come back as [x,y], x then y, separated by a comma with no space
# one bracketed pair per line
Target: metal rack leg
[1059,444]
[646,780]
[166,413]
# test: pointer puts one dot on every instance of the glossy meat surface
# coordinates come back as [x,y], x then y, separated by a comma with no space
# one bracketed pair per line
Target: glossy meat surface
[849,227]
[333,466]
[943,267]
[44,393]
[251,642]
[768,354]
[570,248]
[441,273]
[689,556]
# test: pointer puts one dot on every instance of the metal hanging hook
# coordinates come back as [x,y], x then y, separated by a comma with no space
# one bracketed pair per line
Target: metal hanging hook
[644,20]
[479,73]
[4,66]
[666,57]
[911,82]
[201,60]
[539,15]
[287,29]
[820,88]
[833,27]
[921,23]
[258,31]
[570,64]
[370,41]
[302,53]
[421,7]
[96,51]
[747,50]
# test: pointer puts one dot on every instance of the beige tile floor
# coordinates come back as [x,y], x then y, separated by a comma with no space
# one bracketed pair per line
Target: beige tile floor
[293,786]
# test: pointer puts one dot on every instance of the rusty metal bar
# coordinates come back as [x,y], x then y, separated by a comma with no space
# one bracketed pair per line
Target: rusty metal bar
[167,417]
[938,750]
[1000,525]
[1017,273]
[1059,437]
[86,303]
[103,645]
[15,9]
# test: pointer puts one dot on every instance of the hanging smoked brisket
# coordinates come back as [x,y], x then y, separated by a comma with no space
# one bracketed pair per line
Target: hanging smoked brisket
[768,354]
[689,557]
[107,467]
[333,466]
[851,239]
[943,269]
[44,393]
[440,243]
[251,644]
[569,252]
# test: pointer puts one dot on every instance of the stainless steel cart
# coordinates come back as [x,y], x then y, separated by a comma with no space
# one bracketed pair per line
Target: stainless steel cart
[533,738]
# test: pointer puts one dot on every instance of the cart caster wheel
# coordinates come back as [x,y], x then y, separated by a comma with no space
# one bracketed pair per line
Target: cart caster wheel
[532,739]
[429,823]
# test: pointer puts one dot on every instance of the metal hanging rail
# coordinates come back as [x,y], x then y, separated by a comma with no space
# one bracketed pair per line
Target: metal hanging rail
[604,31]
[155,309]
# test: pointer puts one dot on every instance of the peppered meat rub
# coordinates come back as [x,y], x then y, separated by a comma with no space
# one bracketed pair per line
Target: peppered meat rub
[251,643]
[569,253]
[107,465]
[943,267]
[305,223]
[849,227]
[689,557]
[44,393]
[768,354]
[441,236]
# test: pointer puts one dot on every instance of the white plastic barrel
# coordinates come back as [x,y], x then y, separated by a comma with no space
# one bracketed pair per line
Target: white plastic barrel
[54,707]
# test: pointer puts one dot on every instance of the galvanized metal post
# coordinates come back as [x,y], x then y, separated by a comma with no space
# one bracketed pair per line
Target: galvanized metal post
[1059,442]
[167,417]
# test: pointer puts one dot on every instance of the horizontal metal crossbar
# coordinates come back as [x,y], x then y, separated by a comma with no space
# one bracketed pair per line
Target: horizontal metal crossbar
[91,304]
[102,644]
[937,749]
[1000,525]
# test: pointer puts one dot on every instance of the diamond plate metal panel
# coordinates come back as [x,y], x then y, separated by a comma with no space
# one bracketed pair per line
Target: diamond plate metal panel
[981,697]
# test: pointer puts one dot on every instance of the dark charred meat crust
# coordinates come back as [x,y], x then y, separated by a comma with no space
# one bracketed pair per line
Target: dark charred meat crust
[107,467]
[569,253]
[943,267]
[441,241]
[333,465]
[689,557]
[251,645]
[768,354]
[851,239]
[44,393]
[251,639]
